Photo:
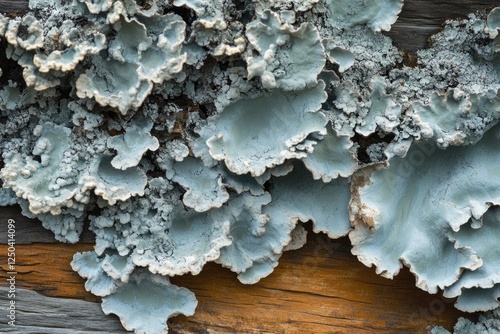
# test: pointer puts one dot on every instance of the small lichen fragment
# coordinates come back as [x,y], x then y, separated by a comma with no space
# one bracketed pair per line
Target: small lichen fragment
[488,322]
[296,196]
[140,54]
[332,157]
[89,266]
[456,118]
[132,145]
[289,58]
[493,22]
[146,302]
[481,285]
[114,184]
[204,186]
[45,184]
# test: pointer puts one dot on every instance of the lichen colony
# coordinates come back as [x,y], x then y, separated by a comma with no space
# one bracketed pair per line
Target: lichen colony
[191,131]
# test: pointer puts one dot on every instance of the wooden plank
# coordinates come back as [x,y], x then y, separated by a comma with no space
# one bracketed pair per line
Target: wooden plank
[37,314]
[45,268]
[15,7]
[321,288]
[31,230]
[27,230]
[420,19]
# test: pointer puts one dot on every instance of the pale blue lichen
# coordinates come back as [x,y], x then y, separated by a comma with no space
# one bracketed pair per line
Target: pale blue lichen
[288,58]
[132,145]
[488,322]
[89,266]
[283,119]
[481,285]
[204,186]
[140,54]
[333,156]
[197,131]
[378,15]
[146,302]
[421,236]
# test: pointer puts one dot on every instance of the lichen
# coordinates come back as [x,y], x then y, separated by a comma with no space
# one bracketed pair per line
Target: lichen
[145,303]
[378,15]
[289,58]
[488,322]
[421,235]
[196,131]
[284,121]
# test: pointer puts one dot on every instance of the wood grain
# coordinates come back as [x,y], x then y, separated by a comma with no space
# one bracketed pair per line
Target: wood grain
[13,7]
[30,231]
[420,19]
[37,314]
[321,288]
[45,268]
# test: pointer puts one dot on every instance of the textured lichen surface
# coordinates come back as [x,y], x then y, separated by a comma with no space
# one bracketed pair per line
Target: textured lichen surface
[488,322]
[193,131]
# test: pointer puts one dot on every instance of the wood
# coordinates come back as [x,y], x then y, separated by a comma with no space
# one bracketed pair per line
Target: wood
[37,314]
[13,7]
[420,19]
[45,268]
[321,288]
[30,231]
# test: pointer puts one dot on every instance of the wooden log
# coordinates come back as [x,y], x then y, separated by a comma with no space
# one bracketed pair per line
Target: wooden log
[45,268]
[13,7]
[344,294]
[36,314]
[420,19]
[30,231]
[321,288]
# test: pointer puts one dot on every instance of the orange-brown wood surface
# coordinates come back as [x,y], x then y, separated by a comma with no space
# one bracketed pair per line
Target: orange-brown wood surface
[320,288]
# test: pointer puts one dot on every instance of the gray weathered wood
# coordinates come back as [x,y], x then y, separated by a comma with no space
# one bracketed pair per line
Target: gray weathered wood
[29,231]
[420,19]
[13,6]
[38,314]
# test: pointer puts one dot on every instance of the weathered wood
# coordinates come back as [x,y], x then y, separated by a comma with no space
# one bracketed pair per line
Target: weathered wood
[29,231]
[36,314]
[420,19]
[46,269]
[16,7]
[321,288]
